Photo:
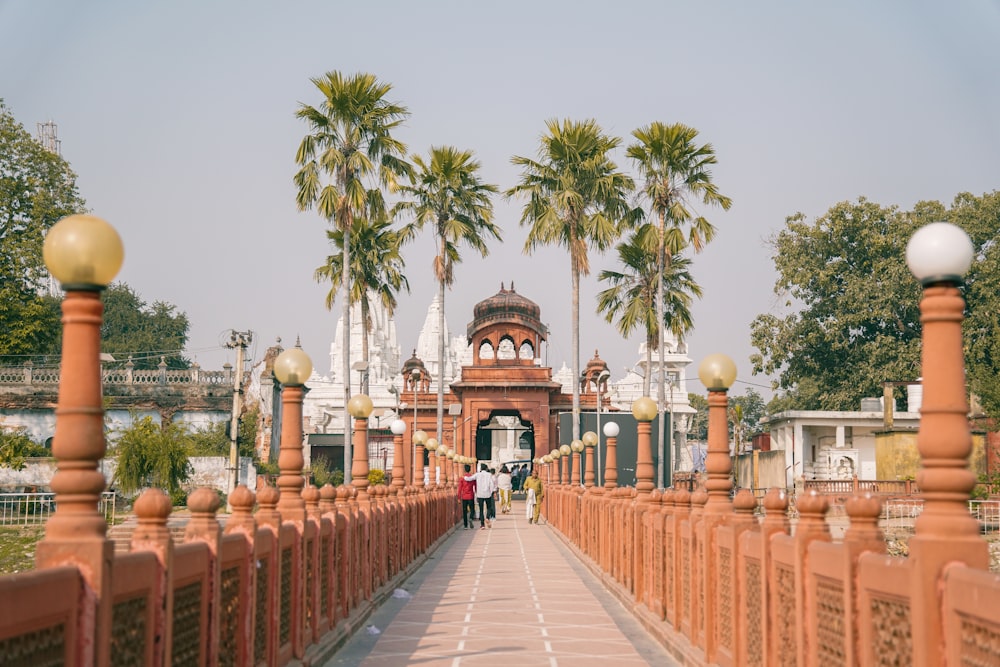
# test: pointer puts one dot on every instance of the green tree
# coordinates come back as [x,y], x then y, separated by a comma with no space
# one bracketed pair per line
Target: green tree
[209,440]
[856,322]
[349,143]
[675,177]
[377,271]
[447,193]
[37,188]
[145,333]
[152,455]
[16,446]
[745,413]
[699,420]
[578,199]
[631,298]
[857,325]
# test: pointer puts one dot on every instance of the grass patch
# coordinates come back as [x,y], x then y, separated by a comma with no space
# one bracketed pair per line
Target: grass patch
[17,547]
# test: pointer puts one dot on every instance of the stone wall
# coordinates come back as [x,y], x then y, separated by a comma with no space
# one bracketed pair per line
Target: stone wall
[210,471]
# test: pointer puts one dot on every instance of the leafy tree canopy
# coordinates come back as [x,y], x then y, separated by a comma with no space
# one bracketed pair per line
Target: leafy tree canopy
[857,323]
[133,328]
[37,188]
[152,455]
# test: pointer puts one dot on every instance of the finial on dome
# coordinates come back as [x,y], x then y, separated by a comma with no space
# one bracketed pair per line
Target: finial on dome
[512,286]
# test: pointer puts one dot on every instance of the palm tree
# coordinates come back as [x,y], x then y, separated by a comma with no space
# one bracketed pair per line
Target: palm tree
[675,173]
[631,297]
[376,271]
[447,193]
[577,198]
[349,143]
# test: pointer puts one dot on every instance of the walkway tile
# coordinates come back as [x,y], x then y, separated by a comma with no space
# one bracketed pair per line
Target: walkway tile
[512,594]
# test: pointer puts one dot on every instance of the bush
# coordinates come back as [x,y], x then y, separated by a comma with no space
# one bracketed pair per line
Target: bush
[16,446]
[376,477]
[151,454]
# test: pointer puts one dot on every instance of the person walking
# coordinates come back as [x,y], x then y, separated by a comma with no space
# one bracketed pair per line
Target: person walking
[467,494]
[484,493]
[505,488]
[535,491]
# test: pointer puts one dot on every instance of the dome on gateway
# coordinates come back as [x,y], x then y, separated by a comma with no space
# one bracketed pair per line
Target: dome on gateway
[506,306]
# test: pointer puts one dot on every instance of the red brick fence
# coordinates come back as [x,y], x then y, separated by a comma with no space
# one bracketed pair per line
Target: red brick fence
[263,590]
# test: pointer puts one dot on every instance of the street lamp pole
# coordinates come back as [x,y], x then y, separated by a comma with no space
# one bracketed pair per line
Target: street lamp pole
[84,254]
[601,380]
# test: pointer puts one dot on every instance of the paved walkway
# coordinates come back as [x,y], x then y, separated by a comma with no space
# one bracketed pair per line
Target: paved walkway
[509,595]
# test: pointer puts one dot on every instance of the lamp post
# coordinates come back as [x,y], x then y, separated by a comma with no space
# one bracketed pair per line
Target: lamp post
[442,457]
[431,447]
[564,452]
[611,430]
[718,372]
[556,454]
[547,460]
[415,382]
[398,428]
[292,369]
[602,380]
[419,440]
[360,407]
[576,447]
[644,410]
[589,441]
[84,254]
[939,255]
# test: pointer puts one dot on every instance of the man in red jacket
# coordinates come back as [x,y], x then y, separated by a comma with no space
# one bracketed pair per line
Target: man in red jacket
[467,494]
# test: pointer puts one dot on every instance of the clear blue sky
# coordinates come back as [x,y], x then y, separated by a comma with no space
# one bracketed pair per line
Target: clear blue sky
[178,118]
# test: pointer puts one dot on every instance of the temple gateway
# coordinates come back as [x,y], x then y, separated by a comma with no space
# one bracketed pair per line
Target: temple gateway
[501,402]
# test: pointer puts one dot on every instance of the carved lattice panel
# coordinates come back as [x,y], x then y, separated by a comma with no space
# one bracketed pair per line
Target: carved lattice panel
[686,577]
[187,624]
[754,617]
[128,632]
[260,605]
[830,615]
[786,620]
[230,617]
[285,615]
[891,639]
[980,644]
[669,565]
[324,580]
[45,647]
[725,599]
[310,582]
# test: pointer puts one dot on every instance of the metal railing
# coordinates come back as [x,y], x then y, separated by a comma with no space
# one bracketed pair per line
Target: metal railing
[30,509]
[901,514]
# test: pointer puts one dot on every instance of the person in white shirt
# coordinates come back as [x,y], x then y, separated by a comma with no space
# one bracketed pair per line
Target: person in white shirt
[484,492]
[505,487]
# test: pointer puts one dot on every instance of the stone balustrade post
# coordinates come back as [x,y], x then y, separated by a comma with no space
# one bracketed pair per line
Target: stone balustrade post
[203,526]
[152,510]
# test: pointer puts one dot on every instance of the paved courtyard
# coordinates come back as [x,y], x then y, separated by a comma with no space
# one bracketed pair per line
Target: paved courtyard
[507,595]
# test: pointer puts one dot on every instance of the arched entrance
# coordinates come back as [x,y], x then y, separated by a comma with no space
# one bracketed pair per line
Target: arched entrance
[505,436]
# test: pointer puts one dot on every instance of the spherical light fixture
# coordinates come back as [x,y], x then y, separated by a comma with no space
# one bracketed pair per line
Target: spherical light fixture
[398,427]
[576,446]
[939,252]
[83,251]
[360,406]
[547,459]
[420,437]
[717,372]
[293,367]
[556,454]
[565,450]
[611,429]
[644,409]
[442,449]
[589,439]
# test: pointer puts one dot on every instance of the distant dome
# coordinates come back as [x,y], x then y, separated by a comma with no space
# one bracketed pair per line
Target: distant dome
[507,306]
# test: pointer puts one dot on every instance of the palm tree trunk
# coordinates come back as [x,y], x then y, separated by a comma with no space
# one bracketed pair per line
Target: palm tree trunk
[365,315]
[576,350]
[661,344]
[440,379]
[346,369]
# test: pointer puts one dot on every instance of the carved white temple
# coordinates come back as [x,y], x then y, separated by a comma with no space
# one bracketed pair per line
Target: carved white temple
[323,403]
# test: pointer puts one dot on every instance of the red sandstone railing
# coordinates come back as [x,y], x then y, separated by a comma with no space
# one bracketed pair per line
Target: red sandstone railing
[259,590]
[737,590]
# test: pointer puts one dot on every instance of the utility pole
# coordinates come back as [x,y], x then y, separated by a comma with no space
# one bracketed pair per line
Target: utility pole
[239,340]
